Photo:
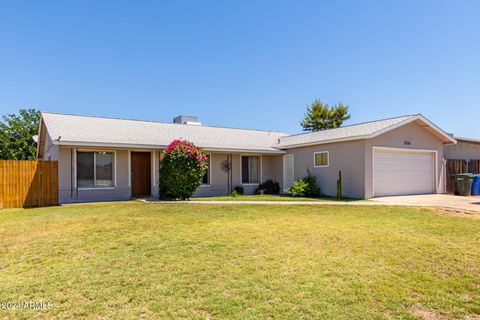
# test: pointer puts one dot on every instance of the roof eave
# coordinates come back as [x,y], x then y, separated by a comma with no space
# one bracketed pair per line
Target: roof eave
[468,140]
[448,139]
[315,143]
[160,147]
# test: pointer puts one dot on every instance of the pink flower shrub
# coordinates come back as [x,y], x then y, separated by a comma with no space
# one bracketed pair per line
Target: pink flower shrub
[182,167]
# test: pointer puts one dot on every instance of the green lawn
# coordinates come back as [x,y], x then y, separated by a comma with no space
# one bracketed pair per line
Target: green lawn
[268,197]
[136,260]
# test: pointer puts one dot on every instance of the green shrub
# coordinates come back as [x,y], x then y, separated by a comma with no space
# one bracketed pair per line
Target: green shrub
[305,187]
[298,189]
[182,167]
[235,194]
[239,190]
[268,187]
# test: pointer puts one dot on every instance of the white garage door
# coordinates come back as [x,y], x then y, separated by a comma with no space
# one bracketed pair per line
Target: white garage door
[403,172]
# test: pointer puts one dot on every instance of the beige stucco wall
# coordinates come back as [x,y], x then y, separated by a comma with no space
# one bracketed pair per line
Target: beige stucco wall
[354,159]
[219,179]
[345,156]
[66,175]
[122,190]
[418,137]
[463,150]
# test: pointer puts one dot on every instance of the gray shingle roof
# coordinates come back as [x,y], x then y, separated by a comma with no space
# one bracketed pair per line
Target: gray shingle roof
[362,130]
[471,140]
[97,131]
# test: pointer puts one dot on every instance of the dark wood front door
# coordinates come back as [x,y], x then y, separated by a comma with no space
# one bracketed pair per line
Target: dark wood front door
[141,179]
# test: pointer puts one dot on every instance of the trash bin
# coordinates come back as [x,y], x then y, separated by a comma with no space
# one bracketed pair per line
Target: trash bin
[476,186]
[463,184]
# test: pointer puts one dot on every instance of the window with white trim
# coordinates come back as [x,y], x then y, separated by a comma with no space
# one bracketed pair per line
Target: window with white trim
[321,159]
[94,169]
[250,169]
[206,176]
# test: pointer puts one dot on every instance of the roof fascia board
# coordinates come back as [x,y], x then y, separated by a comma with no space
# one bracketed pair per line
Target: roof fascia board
[158,147]
[313,143]
[437,129]
[376,134]
[417,117]
[393,127]
[468,140]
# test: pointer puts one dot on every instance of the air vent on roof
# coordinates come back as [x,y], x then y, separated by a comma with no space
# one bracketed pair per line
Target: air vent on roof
[191,120]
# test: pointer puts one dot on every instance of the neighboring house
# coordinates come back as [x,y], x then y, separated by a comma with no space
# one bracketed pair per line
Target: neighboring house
[116,159]
[465,149]
[464,156]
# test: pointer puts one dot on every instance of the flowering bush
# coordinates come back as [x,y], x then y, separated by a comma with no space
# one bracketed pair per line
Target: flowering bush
[182,167]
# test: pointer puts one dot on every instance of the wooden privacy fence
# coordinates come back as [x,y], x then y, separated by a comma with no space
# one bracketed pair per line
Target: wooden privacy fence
[474,166]
[28,183]
[460,166]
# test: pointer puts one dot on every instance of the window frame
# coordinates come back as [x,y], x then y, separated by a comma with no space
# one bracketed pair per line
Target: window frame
[114,168]
[321,166]
[260,177]
[209,155]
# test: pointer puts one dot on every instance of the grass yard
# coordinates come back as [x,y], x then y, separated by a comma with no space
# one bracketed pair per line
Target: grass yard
[136,260]
[269,197]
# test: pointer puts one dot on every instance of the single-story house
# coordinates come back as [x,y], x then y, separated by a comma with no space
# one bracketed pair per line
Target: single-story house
[116,159]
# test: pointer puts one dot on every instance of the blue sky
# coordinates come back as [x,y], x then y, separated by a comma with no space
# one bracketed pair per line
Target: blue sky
[254,64]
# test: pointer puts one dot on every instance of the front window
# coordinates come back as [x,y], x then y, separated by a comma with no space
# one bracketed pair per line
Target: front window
[206,176]
[321,159]
[250,169]
[94,169]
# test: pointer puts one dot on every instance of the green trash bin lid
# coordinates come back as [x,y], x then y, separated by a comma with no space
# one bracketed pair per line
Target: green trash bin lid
[464,175]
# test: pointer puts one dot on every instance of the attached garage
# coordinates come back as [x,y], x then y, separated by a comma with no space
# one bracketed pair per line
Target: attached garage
[389,157]
[403,171]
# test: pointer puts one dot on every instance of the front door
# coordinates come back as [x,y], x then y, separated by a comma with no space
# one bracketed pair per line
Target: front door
[141,178]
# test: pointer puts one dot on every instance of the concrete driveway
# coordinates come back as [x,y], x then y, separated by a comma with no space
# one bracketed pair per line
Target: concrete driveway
[434,200]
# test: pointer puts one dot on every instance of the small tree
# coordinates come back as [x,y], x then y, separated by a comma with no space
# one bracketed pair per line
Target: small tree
[321,116]
[182,167]
[16,135]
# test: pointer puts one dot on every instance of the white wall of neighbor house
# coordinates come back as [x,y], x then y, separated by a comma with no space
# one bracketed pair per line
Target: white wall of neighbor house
[347,157]
[463,150]
[409,136]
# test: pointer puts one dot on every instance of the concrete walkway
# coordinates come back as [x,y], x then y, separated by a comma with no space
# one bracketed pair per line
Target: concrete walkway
[464,204]
[286,203]
[471,204]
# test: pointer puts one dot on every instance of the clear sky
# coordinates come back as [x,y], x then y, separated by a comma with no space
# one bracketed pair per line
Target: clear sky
[254,64]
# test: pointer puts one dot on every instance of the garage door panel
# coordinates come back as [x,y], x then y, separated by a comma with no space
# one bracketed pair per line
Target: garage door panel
[403,172]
